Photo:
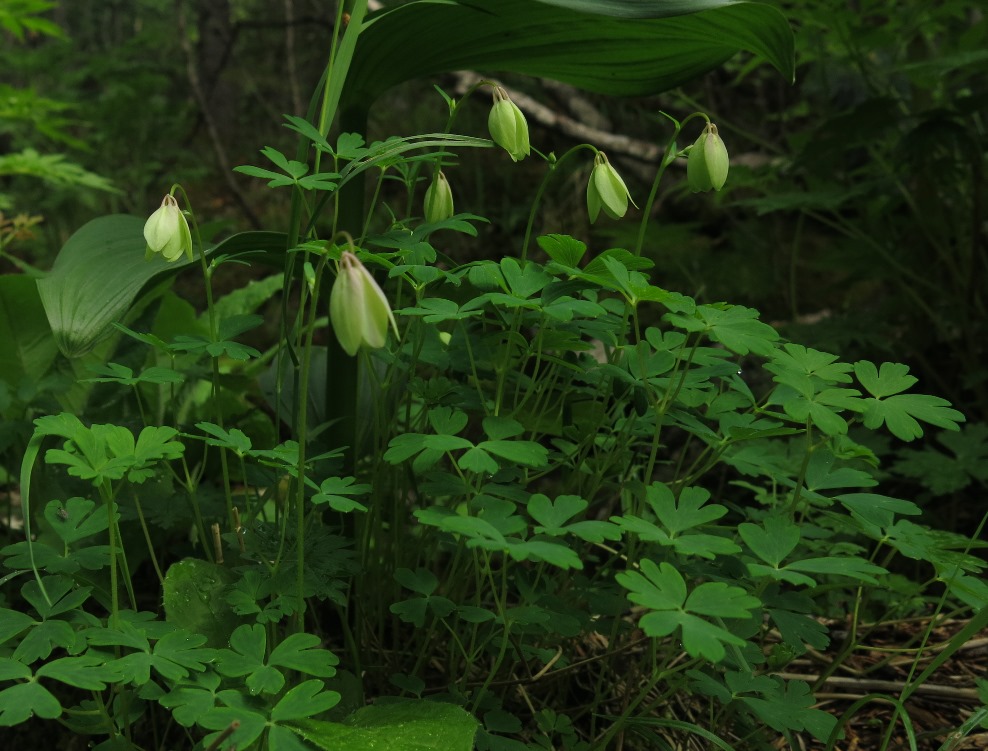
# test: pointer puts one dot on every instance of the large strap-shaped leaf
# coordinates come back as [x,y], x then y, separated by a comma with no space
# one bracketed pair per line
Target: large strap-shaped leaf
[101,270]
[621,47]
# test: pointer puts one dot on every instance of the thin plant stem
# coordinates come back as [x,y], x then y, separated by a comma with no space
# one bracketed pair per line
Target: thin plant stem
[664,162]
[303,387]
[112,531]
[553,166]
[207,277]
[147,539]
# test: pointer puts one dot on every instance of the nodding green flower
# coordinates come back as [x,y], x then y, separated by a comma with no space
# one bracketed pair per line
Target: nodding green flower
[167,232]
[358,309]
[707,163]
[606,190]
[508,126]
[438,199]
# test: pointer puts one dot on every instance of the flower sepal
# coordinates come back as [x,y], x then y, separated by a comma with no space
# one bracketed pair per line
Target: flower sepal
[167,232]
[358,309]
[606,190]
[508,126]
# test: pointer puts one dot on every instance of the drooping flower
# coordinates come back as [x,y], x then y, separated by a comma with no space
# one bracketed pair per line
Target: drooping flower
[438,199]
[508,126]
[708,162]
[606,190]
[167,232]
[358,309]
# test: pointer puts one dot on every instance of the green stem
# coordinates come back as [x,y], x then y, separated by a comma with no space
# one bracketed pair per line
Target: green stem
[207,277]
[147,539]
[112,530]
[553,166]
[666,160]
[303,388]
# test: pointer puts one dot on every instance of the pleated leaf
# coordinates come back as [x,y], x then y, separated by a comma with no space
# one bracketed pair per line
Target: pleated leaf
[101,270]
[620,47]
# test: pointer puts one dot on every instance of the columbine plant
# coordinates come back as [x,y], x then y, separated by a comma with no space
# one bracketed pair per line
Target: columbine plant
[358,309]
[508,126]
[606,190]
[438,203]
[708,163]
[167,232]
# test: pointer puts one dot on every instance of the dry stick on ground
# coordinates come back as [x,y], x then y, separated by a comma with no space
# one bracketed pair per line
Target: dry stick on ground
[214,135]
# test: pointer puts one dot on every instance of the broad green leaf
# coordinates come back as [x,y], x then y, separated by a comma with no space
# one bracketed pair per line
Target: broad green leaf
[86,672]
[193,599]
[447,421]
[879,510]
[734,326]
[663,590]
[336,491]
[407,445]
[791,709]
[550,552]
[562,249]
[249,714]
[946,473]
[180,652]
[478,461]
[499,428]
[721,600]
[700,638]
[554,515]
[232,439]
[659,587]
[304,700]
[22,701]
[901,414]
[76,519]
[553,518]
[821,474]
[855,568]
[414,610]
[100,271]
[795,365]
[945,550]
[773,541]
[39,642]
[798,630]
[588,47]
[422,581]
[246,657]
[11,670]
[691,510]
[891,379]
[301,652]
[526,453]
[188,701]
[13,622]
[409,726]
[27,348]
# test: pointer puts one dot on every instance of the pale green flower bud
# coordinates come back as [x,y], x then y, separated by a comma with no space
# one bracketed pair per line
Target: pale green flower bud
[606,190]
[508,126]
[167,232]
[358,309]
[708,162]
[438,199]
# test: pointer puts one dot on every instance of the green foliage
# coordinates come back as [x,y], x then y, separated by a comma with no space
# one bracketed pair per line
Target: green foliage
[417,726]
[553,472]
